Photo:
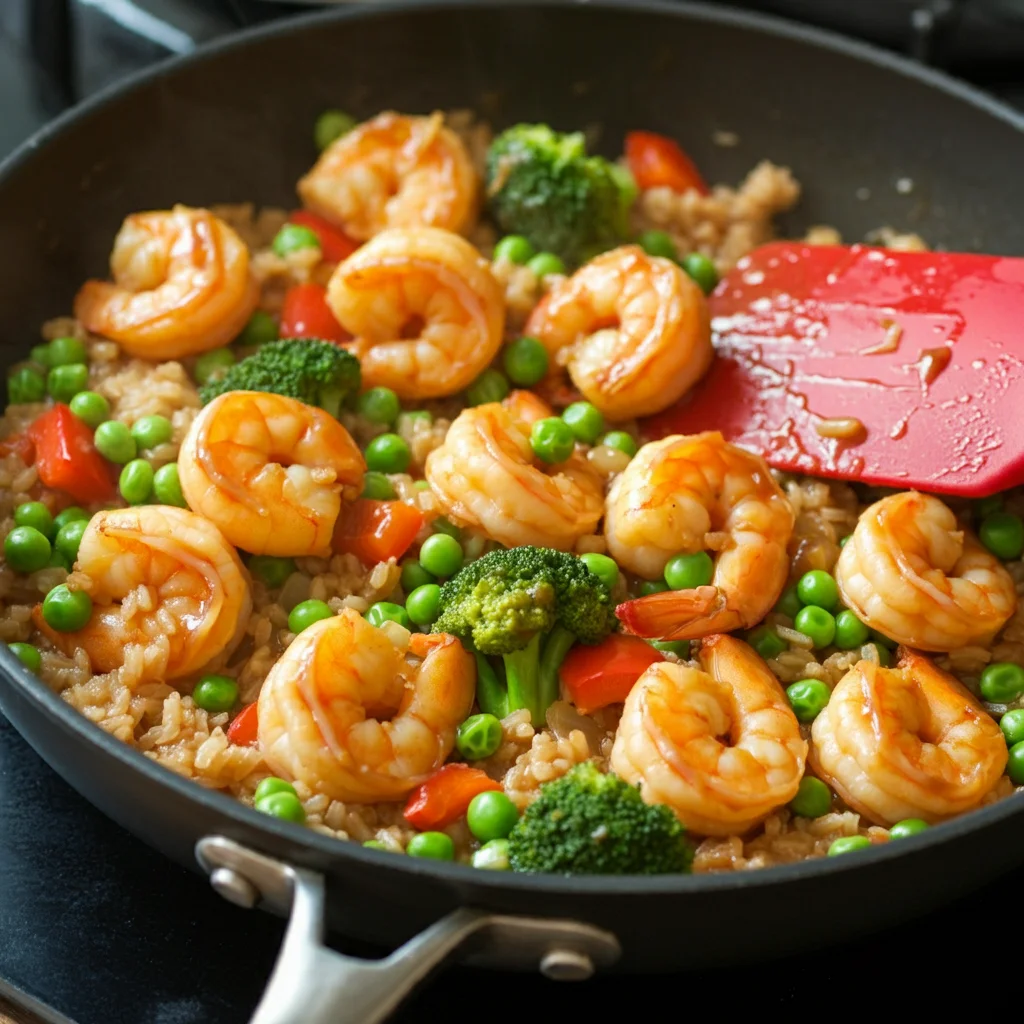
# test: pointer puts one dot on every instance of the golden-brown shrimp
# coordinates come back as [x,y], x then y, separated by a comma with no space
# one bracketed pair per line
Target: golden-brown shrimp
[669,499]
[632,330]
[346,713]
[269,471]
[910,571]
[720,745]
[394,172]
[486,475]
[424,308]
[181,286]
[160,577]
[906,742]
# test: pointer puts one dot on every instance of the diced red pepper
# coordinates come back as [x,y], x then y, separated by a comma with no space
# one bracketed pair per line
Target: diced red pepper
[305,314]
[335,245]
[375,531]
[446,795]
[67,459]
[656,160]
[244,726]
[605,673]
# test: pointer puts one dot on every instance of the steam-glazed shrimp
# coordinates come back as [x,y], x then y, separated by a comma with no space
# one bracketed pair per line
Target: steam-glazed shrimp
[347,714]
[181,286]
[632,329]
[269,471]
[906,742]
[424,308]
[161,577]
[720,746]
[486,475]
[668,499]
[910,572]
[394,172]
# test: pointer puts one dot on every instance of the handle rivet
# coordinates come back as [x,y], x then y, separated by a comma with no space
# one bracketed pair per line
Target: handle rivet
[234,887]
[566,965]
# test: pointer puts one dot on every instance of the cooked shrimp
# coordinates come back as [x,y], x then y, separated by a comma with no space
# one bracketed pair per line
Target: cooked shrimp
[162,578]
[269,471]
[668,500]
[426,312]
[909,571]
[346,713]
[632,330]
[486,475]
[906,742]
[181,286]
[394,172]
[720,745]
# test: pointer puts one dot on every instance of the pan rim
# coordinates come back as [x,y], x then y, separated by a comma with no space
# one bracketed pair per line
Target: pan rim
[328,848]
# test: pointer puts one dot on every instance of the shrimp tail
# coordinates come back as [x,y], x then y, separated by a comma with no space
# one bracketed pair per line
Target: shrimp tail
[679,614]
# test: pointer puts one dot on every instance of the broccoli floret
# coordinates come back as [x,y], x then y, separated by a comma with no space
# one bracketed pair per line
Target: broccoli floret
[312,371]
[529,606]
[587,823]
[542,184]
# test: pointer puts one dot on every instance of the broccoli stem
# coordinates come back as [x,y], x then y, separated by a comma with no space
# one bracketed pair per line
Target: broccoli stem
[330,400]
[556,647]
[491,694]
[522,679]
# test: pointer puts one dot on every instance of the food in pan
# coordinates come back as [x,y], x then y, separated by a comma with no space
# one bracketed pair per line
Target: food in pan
[349,512]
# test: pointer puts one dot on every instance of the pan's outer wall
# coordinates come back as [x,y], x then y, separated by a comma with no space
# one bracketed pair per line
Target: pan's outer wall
[236,126]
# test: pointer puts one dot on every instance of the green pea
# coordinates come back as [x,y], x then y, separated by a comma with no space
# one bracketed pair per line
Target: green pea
[415,576]
[25,385]
[69,539]
[545,263]
[603,567]
[492,856]
[850,631]
[260,330]
[64,382]
[213,365]
[332,125]
[431,845]
[293,238]
[1001,682]
[69,515]
[808,698]
[65,351]
[490,386]
[442,525]
[167,486]
[379,405]
[36,515]
[491,815]
[478,737]
[216,693]
[908,827]
[305,613]
[649,587]
[514,249]
[28,655]
[375,844]
[1012,724]
[813,798]
[26,549]
[1003,534]
[686,571]
[58,561]
[848,844]
[884,655]
[1015,764]
[387,611]
[680,648]
[270,785]
[150,431]
[818,588]
[273,570]
[987,506]
[377,486]
[441,555]
[66,610]
[90,407]
[114,441]
[816,623]
[584,420]
[789,603]
[286,806]
[658,243]
[551,440]
[136,482]
[766,642]
[40,355]
[702,270]
[620,441]
[388,453]
[423,603]
[525,361]
[843,541]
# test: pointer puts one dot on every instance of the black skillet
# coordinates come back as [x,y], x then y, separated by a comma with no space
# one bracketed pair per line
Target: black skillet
[233,123]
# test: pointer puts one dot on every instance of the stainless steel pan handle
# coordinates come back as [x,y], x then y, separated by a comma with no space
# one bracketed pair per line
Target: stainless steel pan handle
[313,984]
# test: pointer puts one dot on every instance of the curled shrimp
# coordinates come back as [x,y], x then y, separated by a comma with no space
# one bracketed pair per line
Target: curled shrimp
[345,711]
[394,172]
[632,330]
[909,571]
[486,475]
[181,286]
[159,577]
[426,312]
[269,471]
[906,742]
[669,499]
[720,744]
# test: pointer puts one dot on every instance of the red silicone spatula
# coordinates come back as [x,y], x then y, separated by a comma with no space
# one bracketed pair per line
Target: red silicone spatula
[921,354]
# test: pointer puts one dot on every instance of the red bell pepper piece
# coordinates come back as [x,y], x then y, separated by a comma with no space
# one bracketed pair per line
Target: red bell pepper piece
[244,726]
[375,531]
[446,795]
[655,160]
[335,245]
[603,674]
[67,459]
[305,314]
